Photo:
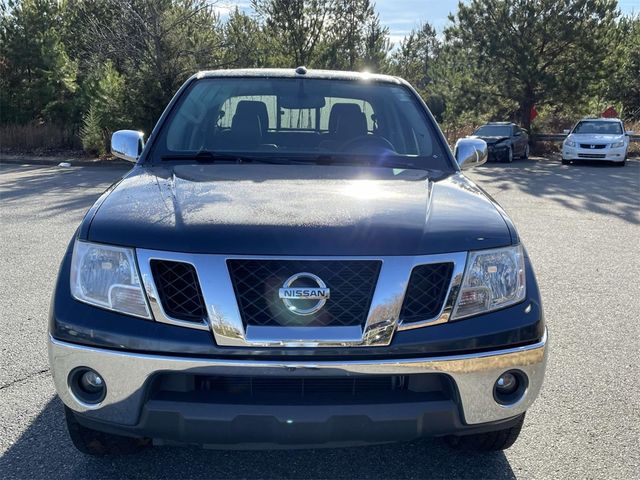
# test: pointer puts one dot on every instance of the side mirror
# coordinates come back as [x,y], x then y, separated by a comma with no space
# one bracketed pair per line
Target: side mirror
[517,134]
[127,144]
[566,131]
[630,132]
[470,152]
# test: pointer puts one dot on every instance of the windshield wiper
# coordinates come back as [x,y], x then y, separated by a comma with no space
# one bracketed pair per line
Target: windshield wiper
[208,156]
[203,156]
[370,161]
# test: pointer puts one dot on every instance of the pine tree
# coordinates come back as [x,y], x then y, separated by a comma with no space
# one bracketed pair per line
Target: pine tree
[92,134]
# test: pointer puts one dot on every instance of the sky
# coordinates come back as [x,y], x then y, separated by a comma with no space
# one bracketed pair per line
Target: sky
[401,16]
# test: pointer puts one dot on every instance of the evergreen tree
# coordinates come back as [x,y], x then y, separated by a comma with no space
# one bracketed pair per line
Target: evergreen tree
[532,53]
[37,78]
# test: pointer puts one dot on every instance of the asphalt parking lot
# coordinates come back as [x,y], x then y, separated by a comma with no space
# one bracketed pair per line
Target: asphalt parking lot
[581,225]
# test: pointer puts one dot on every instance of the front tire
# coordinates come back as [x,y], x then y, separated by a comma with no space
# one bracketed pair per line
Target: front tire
[566,162]
[95,443]
[510,155]
[525,154]
[488,441]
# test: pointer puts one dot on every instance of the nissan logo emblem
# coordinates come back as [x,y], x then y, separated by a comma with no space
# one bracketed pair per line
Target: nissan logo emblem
[312,288]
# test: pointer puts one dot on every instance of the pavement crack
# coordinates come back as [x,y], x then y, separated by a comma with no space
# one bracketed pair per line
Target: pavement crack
[27,377]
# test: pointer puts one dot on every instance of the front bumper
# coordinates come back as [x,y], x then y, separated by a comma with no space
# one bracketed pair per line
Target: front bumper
[127,407]
[602,154]
[498,154]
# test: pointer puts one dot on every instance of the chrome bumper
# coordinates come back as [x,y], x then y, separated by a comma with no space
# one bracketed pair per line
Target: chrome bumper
[126,376]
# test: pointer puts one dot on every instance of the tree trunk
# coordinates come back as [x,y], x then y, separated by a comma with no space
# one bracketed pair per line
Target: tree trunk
[525,113]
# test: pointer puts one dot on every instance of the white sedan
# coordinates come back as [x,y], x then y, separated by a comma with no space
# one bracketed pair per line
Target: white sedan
[596,139]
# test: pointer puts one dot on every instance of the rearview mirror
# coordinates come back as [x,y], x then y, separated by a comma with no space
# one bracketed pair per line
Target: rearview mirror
[127,144]
[470,152]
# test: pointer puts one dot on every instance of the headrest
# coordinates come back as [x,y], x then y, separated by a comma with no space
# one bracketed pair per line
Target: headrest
[340,109]
[351,124]
[246,126]
[256,108]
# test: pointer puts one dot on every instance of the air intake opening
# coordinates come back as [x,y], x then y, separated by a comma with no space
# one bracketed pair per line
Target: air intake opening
[179,290]
[427,292]
[291,390]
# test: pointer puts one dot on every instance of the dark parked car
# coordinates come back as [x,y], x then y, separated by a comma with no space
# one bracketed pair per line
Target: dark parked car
[296,258]
[506,141]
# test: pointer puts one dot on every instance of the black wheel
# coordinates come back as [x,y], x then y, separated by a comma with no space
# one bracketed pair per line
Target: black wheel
[525,153]
[510,155]
[622,163]
[95,443]
[488,441]
[566,162]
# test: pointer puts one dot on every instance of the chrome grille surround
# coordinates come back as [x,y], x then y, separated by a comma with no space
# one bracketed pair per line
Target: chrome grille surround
[224,319]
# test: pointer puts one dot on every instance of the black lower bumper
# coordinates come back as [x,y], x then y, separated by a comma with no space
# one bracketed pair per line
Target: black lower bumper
[269,426]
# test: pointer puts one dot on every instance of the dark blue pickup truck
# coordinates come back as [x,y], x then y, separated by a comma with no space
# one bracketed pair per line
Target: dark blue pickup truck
[295,259]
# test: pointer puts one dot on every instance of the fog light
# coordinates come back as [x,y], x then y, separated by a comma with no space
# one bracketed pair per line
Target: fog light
[87,385]
[510,387]
[91,382]
[507,383]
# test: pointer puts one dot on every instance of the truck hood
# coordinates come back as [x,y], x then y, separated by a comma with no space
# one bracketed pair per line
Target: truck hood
[296,210]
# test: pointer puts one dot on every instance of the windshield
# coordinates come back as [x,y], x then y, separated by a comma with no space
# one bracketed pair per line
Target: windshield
[305,119]
[494,131]
[598,127]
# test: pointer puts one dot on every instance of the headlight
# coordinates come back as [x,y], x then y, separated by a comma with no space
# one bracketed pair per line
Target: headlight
[617,144]
[493,279]
[107,277]
[570,143]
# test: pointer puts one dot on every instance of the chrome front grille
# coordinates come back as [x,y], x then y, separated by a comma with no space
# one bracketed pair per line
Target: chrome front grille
[257,282]
[237,298]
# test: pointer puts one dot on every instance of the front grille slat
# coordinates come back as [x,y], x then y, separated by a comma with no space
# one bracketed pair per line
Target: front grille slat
[179,290]
[426,291]
[257,282]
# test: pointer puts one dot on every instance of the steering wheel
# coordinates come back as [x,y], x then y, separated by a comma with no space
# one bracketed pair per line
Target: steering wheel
[368,144]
